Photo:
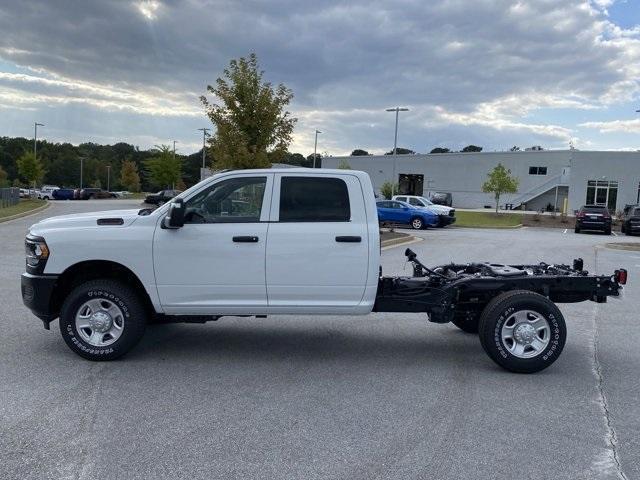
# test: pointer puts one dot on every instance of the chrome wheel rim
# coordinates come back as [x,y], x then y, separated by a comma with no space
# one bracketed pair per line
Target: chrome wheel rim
[417,223]
[99,322]
[526,334]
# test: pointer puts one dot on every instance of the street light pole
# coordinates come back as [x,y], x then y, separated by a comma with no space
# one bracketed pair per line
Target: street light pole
[81,165]
[173,186]
[204,144]
[35,137]
[315,148]
[395,145]
[108,177]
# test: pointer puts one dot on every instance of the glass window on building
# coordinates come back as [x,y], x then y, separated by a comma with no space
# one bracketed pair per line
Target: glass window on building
[603,193]
[537,170]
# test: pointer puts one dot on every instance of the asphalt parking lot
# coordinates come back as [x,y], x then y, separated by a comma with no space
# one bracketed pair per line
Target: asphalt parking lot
[381,396]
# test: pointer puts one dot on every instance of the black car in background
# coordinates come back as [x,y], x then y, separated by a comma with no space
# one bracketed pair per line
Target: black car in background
[162,197]
[631,219]
[593,217]
[442,198]
[91,193]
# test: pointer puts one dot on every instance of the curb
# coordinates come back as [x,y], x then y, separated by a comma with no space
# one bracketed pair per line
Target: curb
[398,242]
[504,227]
[26,214]
[628,246]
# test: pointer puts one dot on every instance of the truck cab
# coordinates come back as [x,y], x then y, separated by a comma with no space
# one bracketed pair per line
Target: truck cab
[250,242]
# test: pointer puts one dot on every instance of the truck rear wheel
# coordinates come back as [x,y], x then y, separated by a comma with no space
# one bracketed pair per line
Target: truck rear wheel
[102,319]
[522,331]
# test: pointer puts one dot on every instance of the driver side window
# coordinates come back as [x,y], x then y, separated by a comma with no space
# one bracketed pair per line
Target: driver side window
[236,200]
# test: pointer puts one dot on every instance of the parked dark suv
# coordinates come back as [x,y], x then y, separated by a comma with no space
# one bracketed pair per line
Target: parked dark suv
[593,217]
[631,219]
[162,197]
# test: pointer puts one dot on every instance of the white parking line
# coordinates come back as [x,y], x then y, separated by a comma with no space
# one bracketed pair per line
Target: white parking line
[614,234]
[565,231]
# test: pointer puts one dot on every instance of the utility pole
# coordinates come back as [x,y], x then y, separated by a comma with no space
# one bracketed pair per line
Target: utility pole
[395,146]
[315,148]
[204,144]
[108,177]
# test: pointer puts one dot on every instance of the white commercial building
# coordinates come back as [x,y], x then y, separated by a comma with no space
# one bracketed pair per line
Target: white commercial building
[547,177]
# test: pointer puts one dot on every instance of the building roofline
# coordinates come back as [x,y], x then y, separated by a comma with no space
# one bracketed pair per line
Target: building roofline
[528,152]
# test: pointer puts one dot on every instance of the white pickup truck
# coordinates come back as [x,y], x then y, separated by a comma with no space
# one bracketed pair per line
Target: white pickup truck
[291,241]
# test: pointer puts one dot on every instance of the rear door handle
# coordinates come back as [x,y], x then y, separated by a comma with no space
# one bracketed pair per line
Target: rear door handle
[348,239]
[245,239]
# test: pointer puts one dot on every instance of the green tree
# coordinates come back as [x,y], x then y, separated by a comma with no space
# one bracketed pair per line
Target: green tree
[163,169]
[30,168]
[440,150]
[344,165]
[387,189]
[253,127]
[472,148]
[129,177]
[318,160]
[401,151]
[359,153]
[4,178]
[296,159]
[500,181]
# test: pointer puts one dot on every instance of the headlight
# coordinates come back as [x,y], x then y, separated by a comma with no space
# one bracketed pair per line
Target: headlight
[37,253]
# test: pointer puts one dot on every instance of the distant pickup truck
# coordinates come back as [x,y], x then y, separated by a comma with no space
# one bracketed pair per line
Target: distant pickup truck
[271,242]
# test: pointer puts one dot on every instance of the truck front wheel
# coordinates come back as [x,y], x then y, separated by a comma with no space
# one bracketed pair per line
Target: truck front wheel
[102,319]
[522,331]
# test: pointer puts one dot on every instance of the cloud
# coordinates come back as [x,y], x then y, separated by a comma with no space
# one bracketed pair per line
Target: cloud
[626,126]
[465,67]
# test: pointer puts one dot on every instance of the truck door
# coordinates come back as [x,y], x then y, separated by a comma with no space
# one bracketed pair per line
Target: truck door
[318,246]
[215,263]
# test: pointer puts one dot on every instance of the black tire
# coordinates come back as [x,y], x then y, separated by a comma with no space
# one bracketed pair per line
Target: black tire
[607,231]
[500,311]
[467,323]
[417,223]
[134,318]
[622,229]
[576,230]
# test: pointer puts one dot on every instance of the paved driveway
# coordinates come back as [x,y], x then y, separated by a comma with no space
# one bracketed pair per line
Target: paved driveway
[383,396]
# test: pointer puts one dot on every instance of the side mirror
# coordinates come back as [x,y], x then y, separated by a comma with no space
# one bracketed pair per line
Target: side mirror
[175,215]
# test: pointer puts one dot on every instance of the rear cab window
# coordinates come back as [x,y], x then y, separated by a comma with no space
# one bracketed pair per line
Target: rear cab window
[311,199]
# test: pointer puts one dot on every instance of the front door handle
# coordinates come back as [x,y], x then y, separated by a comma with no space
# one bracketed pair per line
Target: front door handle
[246,239]
[348,239]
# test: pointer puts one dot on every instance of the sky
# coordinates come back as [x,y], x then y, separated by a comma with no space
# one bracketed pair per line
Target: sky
[494,73]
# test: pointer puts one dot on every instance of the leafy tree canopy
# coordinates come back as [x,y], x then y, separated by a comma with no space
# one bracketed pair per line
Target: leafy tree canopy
[4,178]
[30,168]
[387,189]
[129,177]
[164,169]
[500,181]
[401,151]
[253,127]
[359,153]
[472,148]
[440,150]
